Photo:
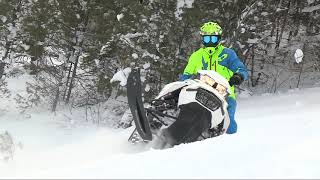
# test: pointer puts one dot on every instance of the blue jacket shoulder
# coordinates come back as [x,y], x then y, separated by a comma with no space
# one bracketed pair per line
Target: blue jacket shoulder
[233,62]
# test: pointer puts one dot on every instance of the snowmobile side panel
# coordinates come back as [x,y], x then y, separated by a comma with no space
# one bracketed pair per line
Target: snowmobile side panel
[172,87]
[136,106]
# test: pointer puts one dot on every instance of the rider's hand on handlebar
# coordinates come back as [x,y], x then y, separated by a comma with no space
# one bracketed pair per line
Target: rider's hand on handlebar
[236,79]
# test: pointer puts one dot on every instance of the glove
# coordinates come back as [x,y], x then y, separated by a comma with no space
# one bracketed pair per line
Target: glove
[236,79]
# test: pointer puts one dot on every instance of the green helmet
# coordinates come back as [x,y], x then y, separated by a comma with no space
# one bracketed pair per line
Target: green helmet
[211,28]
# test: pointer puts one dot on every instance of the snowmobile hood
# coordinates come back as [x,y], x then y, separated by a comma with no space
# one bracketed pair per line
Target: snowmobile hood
[173,86]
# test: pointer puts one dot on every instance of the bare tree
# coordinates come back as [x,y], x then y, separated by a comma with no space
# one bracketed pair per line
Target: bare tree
[2,66]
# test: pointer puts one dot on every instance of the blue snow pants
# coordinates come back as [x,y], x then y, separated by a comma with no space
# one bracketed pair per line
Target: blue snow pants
[232,104]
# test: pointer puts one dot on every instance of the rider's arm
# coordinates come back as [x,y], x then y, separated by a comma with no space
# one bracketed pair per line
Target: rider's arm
[190,68]
[235,64]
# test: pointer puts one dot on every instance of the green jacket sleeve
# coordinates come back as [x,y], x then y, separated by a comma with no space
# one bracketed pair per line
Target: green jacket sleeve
[191,66]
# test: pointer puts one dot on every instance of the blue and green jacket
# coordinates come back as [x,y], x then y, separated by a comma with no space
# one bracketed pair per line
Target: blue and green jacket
[220,59]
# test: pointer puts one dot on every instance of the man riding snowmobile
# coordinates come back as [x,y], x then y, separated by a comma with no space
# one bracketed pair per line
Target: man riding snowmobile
[214,56]
[206,104]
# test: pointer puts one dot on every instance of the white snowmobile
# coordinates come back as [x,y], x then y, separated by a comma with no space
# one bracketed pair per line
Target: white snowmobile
[183,112]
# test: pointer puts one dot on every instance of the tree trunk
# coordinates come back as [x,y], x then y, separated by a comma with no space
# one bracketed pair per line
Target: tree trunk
[74,73]
[7,49]
[274,20]
[252,66]
[283,25]
[68,80]
[297,17]
[9,42]
[301,68]
[2,66]
[56,99]
[177,60]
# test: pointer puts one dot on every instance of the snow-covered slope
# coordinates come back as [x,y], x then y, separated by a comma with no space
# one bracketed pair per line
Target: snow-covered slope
[278,137]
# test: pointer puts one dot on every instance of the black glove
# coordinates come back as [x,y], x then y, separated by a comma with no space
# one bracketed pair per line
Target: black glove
[236,79]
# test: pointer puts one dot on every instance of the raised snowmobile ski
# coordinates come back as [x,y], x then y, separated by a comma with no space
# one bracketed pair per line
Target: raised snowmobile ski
[136,107]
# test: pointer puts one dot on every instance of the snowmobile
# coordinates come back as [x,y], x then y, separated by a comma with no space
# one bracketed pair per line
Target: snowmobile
[183,112]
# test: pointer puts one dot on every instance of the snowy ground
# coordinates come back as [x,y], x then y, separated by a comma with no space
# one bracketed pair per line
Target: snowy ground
[278,137]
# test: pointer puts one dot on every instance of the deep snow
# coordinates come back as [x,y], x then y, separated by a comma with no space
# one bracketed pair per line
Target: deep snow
[278,137]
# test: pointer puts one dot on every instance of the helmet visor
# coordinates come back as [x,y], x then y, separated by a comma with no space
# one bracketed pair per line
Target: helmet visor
[210,38]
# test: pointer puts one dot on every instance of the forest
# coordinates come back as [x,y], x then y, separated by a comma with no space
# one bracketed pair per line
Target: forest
[73,48]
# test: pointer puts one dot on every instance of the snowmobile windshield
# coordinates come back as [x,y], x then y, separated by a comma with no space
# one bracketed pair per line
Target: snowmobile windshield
[211,82]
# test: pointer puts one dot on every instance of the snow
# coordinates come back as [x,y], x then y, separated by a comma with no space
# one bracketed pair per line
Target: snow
[135,56]
[182,4]
[252,41]
[3,18]
[97,62]
[121,76]
[146,66]
[260,3]
[25,46]
[311,8]
[278,137]
[153,56]
[13,31]
[127,38]
[240,45]
[310,1]
[147,88]
[298,55]
[120,16]
[247,11]
[104,47]
[243,30]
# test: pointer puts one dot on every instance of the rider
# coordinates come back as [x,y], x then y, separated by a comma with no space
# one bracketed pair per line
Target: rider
[214,56]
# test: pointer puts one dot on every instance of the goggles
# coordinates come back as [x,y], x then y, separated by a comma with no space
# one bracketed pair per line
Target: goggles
[210,38]
[211,82]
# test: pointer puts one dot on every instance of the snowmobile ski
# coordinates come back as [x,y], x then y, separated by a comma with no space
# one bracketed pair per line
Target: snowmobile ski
[136,106]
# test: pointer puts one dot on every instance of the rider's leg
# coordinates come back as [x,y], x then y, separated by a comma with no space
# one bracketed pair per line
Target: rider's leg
[232,104]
